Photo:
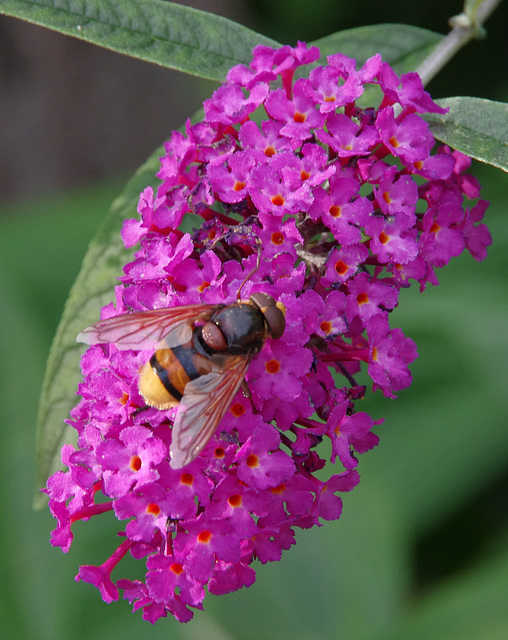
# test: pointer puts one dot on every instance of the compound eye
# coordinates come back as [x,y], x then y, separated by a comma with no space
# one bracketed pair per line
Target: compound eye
[262,300]
[213,337]
[276,321]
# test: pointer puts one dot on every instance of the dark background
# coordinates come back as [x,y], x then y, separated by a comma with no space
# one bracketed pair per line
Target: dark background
[72,113]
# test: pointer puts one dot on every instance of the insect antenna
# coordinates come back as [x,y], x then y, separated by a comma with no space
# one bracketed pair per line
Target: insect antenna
[252,272]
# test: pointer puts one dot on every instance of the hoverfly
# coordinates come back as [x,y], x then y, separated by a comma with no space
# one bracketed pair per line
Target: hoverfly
[202,353]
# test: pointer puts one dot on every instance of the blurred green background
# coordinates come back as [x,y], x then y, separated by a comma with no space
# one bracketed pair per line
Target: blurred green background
[421,550]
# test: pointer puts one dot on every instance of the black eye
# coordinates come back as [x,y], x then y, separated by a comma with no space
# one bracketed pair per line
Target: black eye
[262,300]
[275,320]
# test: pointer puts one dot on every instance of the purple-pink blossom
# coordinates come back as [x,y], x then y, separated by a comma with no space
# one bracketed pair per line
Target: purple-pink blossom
[331,209]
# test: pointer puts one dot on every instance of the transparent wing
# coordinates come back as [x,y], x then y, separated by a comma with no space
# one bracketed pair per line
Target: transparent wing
[146,329]
[202,407]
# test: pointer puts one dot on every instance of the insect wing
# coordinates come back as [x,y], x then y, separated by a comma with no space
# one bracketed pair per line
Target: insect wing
[147,329]
[201,409]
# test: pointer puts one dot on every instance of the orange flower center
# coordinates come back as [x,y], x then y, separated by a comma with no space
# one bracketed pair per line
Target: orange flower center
[187,478]
[176,568]
[279,489]
[205,536]
[153,509]
[135,463]
[237,409]
[326,327]
[272,366]
[219,452]
[252,461]
[341,267]
[235,501]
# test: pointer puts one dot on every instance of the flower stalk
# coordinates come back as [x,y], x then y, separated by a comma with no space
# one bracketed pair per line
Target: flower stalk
[465,27]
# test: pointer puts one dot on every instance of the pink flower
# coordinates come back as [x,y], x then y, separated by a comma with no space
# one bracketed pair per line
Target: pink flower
[328,208]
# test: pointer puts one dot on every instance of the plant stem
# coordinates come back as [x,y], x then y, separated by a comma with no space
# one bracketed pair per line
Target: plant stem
[467,27]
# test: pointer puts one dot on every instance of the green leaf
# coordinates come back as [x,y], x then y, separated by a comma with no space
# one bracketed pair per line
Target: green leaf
[93,288]
[182,38]
[402,45]
[475,126]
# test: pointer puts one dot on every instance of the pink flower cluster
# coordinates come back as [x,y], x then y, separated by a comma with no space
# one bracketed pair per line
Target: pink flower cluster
[342,206]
